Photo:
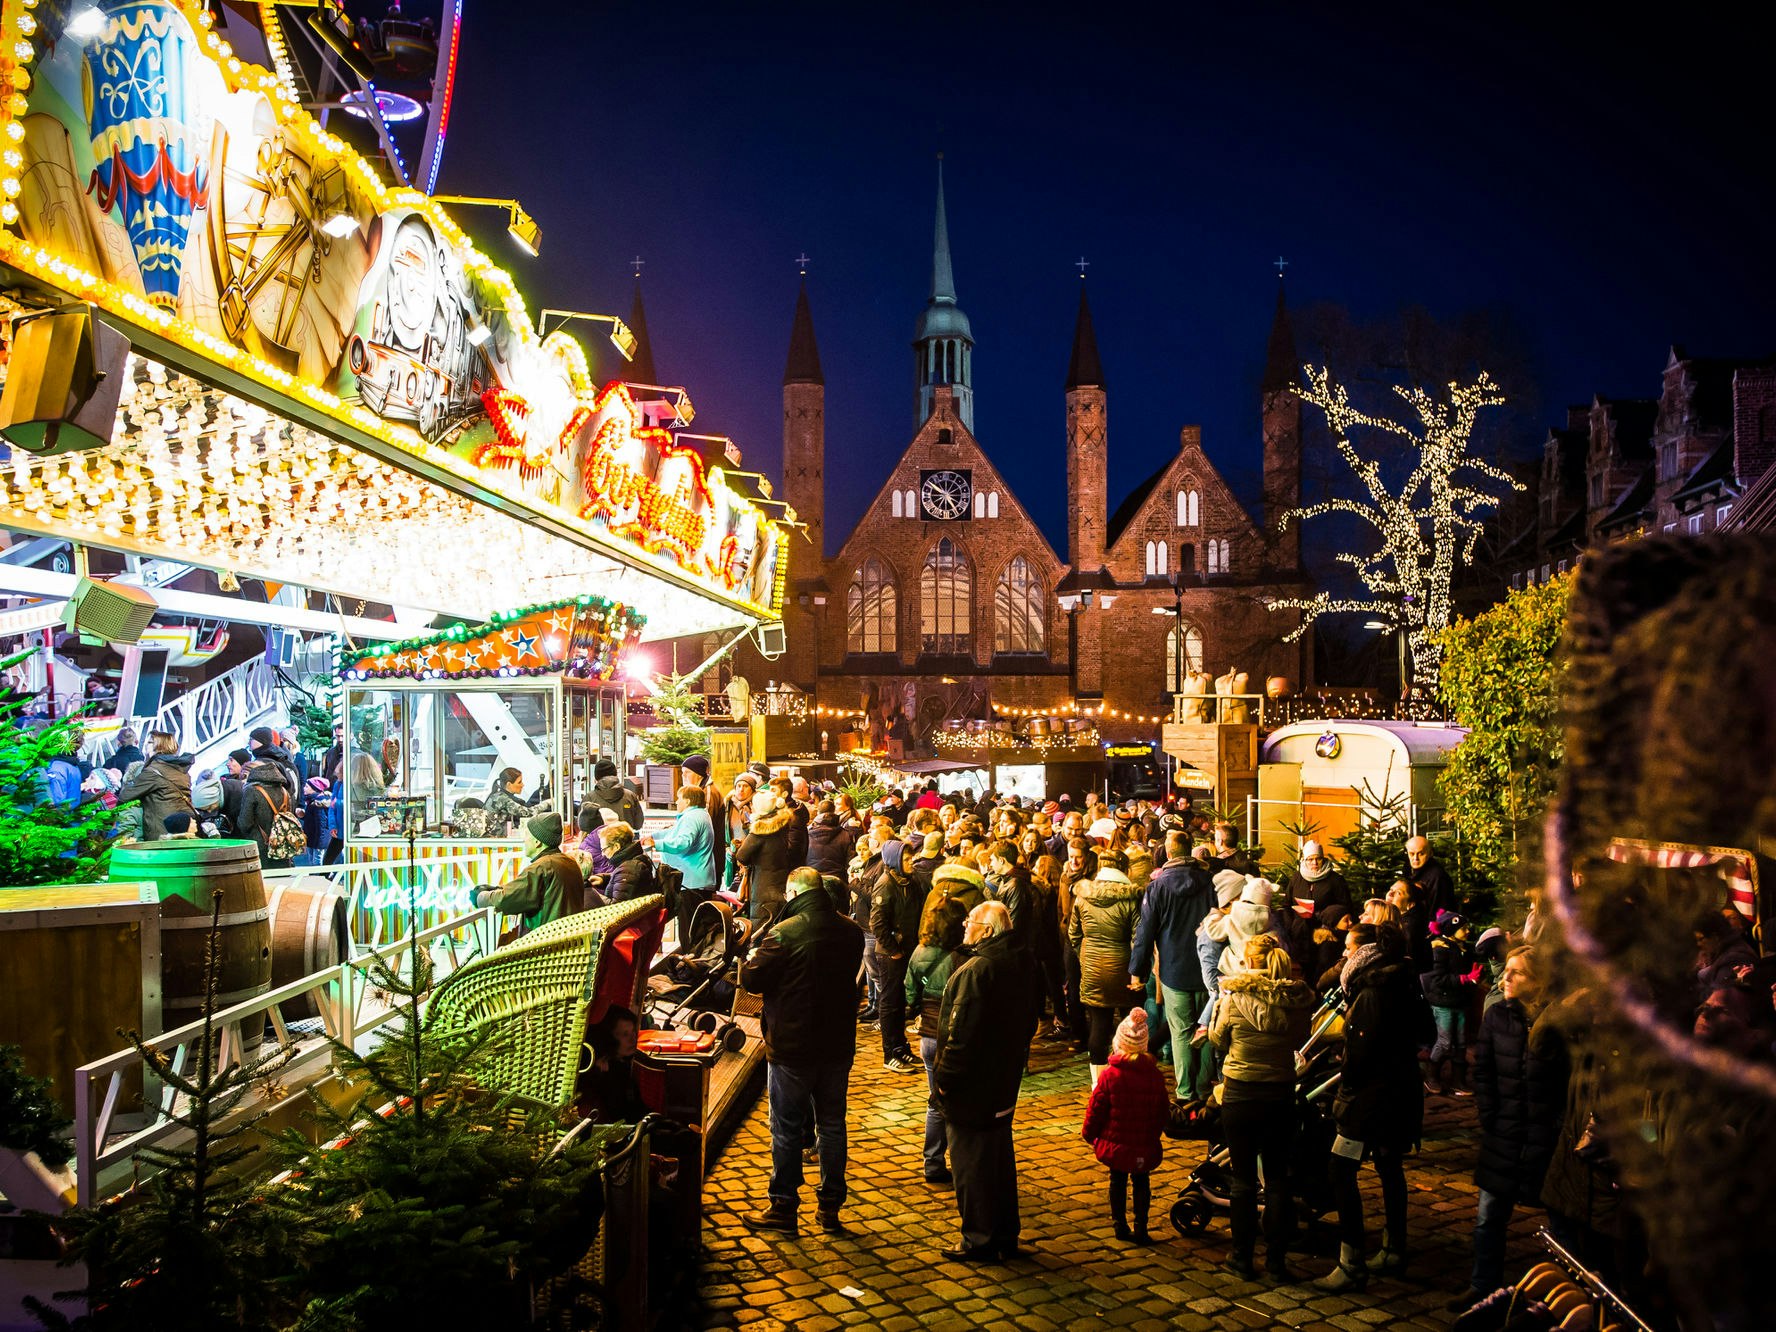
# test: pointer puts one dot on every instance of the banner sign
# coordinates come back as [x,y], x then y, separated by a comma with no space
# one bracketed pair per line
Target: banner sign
[146,169]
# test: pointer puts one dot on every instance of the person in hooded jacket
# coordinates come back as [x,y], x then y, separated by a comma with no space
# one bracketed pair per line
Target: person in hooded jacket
[632,872]
[1379,1109]
[1520,1072]
[1125,1117]
[162,784]
[266,795]
[267,747]
[1261,1022]
[830,842]
[865,870]
[608,792]
[894,920]
[927,973]
[764,855]
[1106,910]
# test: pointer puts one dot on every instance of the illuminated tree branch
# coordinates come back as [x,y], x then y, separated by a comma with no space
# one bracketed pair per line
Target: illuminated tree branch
[1427,527]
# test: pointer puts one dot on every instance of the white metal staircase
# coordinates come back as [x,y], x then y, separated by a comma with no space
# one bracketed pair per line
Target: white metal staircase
[215,717]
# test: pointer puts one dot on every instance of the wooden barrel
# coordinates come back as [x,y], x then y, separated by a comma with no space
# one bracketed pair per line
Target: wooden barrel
[187,874]
[310,932]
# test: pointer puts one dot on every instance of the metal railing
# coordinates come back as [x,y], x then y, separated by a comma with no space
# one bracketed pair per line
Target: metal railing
[351,1008]
[1203,708]
[378,889]
[224,708]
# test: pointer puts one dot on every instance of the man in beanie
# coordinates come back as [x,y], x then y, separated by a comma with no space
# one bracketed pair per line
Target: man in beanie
[984,1029]
[805,968]
[266,749]
[548,888]
[608,792]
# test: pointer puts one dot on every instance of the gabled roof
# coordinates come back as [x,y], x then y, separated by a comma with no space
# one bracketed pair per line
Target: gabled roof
[1083,367]
[1756,509]
[1634,418]
[1637,503]
[1710,472]
[1572,531]
[1126,511]
[803,365]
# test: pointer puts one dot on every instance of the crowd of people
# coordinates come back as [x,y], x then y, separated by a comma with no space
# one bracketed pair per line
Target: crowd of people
[1144,936]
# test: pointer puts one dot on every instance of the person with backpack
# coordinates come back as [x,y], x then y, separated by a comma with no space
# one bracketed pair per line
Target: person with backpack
[268,816]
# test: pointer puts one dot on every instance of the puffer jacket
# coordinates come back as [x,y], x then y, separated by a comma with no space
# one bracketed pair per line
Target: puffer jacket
[765,854]
[894,914]
[1520,1071]
[1259,1025]
[631,874]
[266,794]
[1126,1115]
[1140,861]
[163,785]
[1102,931]
[1014,891]
[1447,984]
[829,845]
[865,870]
[928,971]
[1243,921]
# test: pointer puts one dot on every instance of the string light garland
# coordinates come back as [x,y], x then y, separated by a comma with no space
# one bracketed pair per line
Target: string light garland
[580,637]
[1426,528]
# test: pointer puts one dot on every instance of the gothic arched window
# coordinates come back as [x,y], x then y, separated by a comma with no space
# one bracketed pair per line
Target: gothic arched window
[992,504]
[1184,653]
[899,504]
[870,609]
[1018,609]
[946,589]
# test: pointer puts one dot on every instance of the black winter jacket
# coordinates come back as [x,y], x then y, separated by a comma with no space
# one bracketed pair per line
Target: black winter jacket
[894,913]
[1330,895]
[806,970]
[800,815]
[610,793]
[1381,1096]
[984,1029]
[765,854]
[1446,984]
[1520,1088]
[631,876]
[830,845]
[266,794]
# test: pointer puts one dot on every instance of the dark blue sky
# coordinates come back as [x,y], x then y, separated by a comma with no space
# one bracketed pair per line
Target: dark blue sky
[1603,186]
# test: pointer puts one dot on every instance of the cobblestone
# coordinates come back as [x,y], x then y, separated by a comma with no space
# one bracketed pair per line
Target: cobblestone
[1074,1273]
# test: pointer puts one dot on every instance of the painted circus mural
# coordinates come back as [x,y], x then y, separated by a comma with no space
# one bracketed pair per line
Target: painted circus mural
[157,167]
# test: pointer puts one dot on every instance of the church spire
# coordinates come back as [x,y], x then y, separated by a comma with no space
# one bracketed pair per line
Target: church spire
[1083,367]
[943,343]
[1281,366]
[803,366]
[943,277]
[641,367]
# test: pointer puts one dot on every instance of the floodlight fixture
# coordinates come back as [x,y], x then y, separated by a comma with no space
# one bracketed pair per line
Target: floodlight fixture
[520,225]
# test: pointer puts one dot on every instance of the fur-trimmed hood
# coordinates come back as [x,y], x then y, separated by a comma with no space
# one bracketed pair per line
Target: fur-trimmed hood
[1110,885]
[766,824]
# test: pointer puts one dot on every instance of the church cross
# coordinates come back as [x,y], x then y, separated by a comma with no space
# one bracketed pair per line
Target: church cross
[1279,263]
[638,263]
[802,261]
[1082,264]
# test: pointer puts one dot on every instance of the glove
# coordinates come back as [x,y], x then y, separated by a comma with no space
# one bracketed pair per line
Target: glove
[483,896]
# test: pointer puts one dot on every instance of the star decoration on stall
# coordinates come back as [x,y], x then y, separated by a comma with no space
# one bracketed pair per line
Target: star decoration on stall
[584,637]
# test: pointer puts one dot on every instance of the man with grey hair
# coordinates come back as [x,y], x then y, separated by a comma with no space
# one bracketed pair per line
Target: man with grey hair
[806,970]
[984,1028]
[1425,873]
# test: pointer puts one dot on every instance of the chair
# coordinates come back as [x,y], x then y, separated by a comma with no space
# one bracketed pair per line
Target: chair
[548,985]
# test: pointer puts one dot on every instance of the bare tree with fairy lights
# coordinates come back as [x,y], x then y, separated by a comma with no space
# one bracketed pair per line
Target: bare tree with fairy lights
[1426,527]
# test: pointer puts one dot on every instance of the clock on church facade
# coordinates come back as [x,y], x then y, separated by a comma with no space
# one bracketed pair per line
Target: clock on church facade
[947,494]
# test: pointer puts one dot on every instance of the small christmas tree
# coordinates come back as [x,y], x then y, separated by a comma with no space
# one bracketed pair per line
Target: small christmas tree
[440,1203]
[683,733]
[42,839]
[1373,854]
[30,1119]
[192,1248]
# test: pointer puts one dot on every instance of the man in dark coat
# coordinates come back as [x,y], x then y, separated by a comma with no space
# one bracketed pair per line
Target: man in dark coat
[1318,881]
[609,793]
[266,749]
[984,1028]
[894,921]
[1178,898]
[266,794]
[548,888]
[1436,890]
[806,970]
[830,842]
[764,855]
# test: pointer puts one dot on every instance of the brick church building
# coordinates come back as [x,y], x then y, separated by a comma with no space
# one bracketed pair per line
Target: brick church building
[947,601]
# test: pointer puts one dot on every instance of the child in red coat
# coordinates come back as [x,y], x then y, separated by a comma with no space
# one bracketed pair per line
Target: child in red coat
[1124,1120]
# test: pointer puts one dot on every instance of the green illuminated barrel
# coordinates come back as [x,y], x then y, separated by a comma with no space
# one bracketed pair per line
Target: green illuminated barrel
[189,874]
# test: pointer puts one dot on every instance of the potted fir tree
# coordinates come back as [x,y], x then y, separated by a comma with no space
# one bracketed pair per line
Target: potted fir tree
[680,734]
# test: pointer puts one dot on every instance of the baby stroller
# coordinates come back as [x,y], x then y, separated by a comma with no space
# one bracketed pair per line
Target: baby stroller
[697,986]
[1208,1189]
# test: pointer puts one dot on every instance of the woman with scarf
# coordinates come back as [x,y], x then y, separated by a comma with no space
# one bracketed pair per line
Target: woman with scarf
[1380,1106]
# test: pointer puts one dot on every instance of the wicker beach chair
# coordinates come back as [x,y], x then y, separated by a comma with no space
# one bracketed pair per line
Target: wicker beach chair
[549,985]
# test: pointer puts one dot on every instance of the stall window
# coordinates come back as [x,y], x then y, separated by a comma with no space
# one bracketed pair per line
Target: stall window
[1018,608]
[946,589]
[870,609]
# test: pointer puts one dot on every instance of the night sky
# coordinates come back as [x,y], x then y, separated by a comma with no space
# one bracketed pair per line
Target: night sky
[1604,189]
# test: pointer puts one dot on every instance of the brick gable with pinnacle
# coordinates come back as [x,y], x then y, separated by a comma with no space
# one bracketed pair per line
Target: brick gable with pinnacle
[1220,517]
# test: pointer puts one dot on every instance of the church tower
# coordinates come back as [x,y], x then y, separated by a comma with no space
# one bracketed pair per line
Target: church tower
[804,431]
[1282,440]
[641,366]
[943,344]
[1087,426]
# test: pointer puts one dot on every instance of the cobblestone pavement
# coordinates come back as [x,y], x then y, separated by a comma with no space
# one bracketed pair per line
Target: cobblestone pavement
[1074,1273]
